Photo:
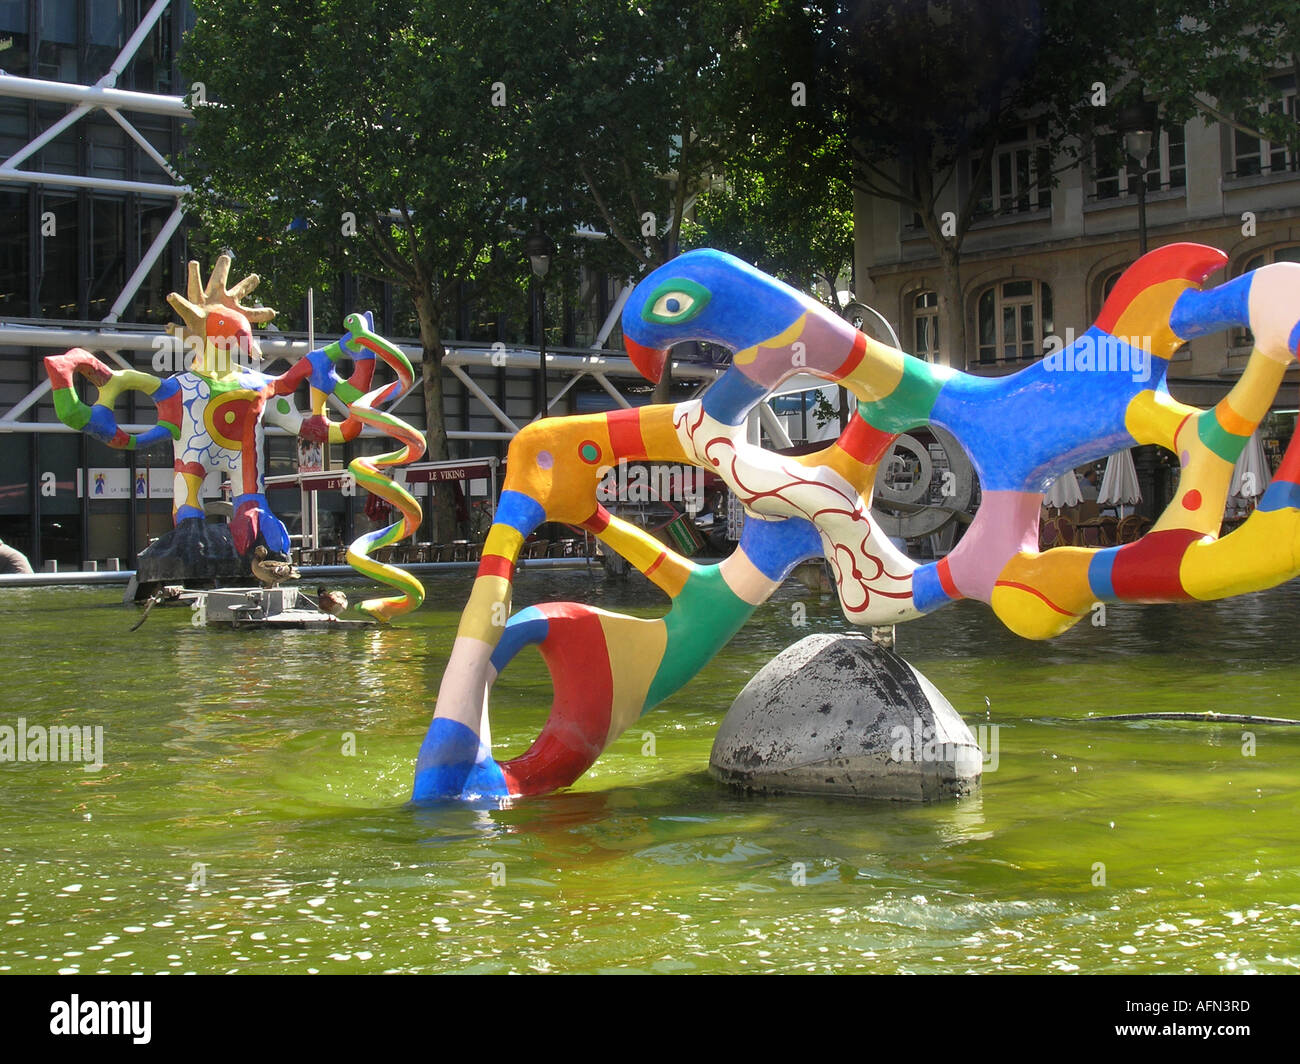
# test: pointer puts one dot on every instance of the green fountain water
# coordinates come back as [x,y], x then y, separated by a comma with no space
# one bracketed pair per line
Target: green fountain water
[250,815]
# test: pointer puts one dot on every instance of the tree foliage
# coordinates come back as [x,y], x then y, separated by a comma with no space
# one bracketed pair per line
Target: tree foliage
[922,93]
[340,134]
[393,133]
[634,109]
[794,224]
[1222,60]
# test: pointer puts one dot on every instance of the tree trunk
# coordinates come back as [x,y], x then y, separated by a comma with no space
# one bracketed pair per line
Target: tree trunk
[443,500]
[951,310]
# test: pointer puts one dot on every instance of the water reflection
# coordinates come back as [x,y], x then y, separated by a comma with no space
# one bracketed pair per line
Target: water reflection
[227,750]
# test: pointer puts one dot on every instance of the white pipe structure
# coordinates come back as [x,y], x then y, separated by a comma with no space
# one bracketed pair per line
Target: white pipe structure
[104,95]
[113,339]
[34,396]
[93,96]
[482,397]
[768,419]
[145,146]
[104,184]
[560,394]
[36,89]
[459,353]
[611,319]
[614,393]
[43,138]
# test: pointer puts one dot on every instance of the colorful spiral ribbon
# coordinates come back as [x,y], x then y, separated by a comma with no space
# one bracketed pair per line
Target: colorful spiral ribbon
[368,473]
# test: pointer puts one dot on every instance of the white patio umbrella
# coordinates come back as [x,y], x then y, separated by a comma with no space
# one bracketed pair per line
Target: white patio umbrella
[1119,483]
[1064,491]
[1250,476]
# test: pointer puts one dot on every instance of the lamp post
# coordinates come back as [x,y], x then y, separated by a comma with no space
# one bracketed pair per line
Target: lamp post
[539,254]
[1137,123]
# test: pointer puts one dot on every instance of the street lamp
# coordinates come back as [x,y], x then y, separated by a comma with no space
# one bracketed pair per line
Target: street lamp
[1137,122]
[539,254]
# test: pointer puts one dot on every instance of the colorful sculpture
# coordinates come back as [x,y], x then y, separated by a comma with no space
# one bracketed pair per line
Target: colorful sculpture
[214,412]
[1104,392]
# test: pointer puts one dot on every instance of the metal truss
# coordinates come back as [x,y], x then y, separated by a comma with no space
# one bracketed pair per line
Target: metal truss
[460,361]
[117,341]
[105,96]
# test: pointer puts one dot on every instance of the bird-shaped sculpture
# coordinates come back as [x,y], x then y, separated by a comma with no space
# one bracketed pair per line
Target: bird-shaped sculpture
[331,602]
[272,571]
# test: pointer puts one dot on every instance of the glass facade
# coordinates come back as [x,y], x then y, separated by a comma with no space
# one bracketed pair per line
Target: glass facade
[78,41]
[67,253]
[65,256]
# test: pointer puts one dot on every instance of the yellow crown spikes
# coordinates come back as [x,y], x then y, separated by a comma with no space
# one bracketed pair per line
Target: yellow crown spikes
[200,299]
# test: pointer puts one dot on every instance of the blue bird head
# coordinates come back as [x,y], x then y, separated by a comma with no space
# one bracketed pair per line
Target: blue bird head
[709,296]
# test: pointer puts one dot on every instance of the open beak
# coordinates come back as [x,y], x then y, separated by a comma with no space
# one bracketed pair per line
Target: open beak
[649,361]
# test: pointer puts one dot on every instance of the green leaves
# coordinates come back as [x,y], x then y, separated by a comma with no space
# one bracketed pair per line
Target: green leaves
[630,110]
[792,219]
[350,132]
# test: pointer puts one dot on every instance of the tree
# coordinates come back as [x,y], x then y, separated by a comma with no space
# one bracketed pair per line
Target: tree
[795,223]
[923,92]
[786,201]
[375,138]
[635,114]
[1221,60]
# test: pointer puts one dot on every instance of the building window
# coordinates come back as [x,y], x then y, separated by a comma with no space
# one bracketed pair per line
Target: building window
[57,57]
[105,34]
[58,257]
[1108,285]
[15,42]
[1166,165]
[1014,317]
[925,326]
[1253,156]
[1286,253]
[1020,174]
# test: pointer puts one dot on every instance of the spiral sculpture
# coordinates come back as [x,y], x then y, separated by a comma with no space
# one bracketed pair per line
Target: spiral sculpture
[367,472]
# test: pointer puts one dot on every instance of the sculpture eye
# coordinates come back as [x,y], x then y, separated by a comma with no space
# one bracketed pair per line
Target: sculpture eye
[675,301]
